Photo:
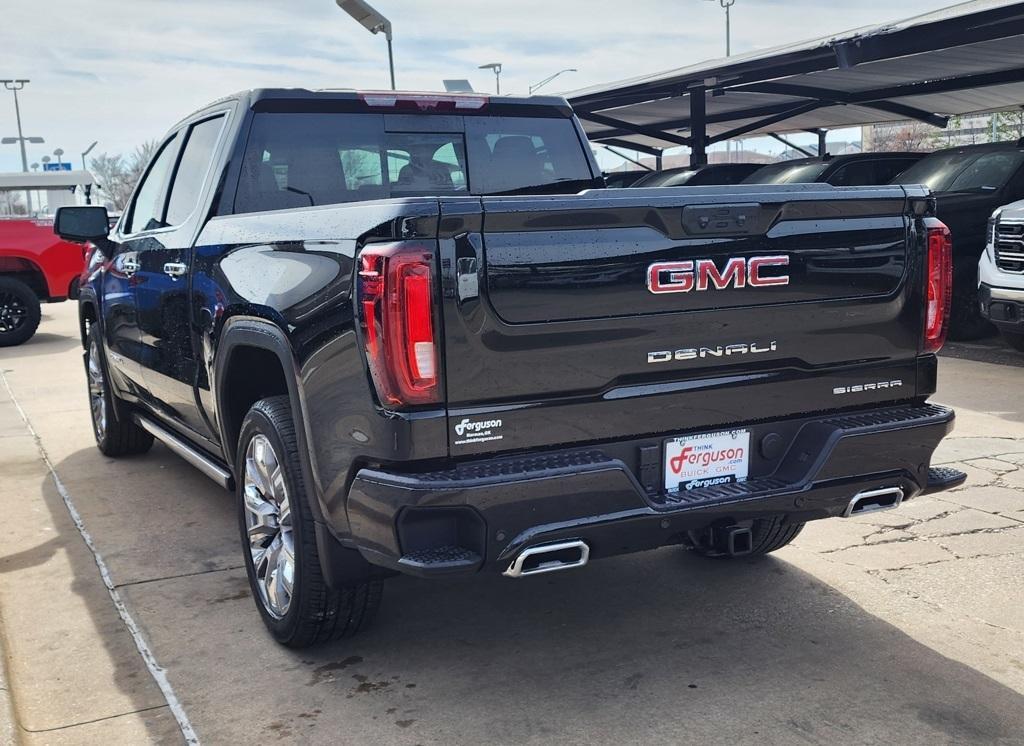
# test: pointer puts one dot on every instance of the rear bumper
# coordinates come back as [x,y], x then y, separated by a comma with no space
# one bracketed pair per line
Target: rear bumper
[482,514]
[1004,307]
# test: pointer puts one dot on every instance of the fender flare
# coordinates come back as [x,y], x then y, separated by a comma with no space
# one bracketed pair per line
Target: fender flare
[87,297]
[253,331]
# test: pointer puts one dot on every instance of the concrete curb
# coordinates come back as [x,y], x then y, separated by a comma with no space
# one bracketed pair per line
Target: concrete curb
[8,722]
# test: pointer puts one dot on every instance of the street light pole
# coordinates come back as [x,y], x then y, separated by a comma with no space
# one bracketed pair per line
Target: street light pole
[727,4]
[372,21]
[548,79]
[87,151]
[15,85]
[496,66]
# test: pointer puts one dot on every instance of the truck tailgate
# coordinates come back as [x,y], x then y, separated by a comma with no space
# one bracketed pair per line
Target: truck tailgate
[629,312]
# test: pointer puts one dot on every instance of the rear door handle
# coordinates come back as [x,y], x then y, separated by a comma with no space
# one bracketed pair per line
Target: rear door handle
[175,269]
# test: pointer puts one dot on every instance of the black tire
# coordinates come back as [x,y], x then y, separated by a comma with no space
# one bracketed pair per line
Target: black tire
[1013,339]
[767,535]
[965,319]
[315,613]
[19,312]
[114,437]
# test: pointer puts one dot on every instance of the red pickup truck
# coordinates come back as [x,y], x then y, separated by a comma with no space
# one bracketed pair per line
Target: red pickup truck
[35,265]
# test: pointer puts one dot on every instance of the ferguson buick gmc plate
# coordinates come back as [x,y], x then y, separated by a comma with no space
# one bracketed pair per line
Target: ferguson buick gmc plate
[707,459]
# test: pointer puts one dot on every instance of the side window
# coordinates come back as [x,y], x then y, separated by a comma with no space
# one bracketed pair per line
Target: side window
[193,166]
[147,207]
[856,173]
[889,169]
[362,167]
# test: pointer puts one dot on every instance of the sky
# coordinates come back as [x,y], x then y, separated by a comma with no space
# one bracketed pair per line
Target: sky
[124,71]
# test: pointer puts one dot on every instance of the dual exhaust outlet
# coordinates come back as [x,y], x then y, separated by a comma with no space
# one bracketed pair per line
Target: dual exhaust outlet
[568,555]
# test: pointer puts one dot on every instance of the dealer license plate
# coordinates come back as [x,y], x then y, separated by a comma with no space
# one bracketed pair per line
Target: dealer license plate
[705,460]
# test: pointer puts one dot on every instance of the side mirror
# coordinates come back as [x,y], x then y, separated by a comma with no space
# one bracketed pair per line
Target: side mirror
[81,223]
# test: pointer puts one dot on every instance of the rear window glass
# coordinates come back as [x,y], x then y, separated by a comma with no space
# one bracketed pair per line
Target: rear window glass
[305,159]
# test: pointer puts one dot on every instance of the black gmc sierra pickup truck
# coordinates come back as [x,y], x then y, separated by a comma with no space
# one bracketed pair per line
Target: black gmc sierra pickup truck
[414,333]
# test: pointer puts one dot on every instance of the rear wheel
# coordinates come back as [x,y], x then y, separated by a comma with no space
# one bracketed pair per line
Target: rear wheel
[279,540]
[766,535]
[19,312]
[114,437]
[1013,339]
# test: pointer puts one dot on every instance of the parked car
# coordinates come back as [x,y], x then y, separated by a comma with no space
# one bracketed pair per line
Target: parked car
[622,179]
[412,336]
[35,265]
[711,174]
[1001,274]
[969,183]
[855,169]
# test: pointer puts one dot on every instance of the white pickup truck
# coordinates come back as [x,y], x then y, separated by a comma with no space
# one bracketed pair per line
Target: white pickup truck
[1001,273]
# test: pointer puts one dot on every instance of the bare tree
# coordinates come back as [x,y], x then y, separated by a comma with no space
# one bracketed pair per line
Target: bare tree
[118,175]
[12,203]
[909,137]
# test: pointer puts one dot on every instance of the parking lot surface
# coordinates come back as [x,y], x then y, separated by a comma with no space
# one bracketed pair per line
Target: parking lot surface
[125,611]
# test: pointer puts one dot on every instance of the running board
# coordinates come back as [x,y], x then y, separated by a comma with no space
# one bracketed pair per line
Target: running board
[204,463]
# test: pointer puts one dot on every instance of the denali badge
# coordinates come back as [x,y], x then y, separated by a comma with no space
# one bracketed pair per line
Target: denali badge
[693,353]
[840,390]
[703,274]
[478,431]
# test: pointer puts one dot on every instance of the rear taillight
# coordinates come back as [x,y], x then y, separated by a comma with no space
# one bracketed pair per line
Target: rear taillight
[398,322]
[939,287]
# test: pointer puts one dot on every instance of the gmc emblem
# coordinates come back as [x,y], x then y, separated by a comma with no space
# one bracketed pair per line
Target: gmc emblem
[703,274]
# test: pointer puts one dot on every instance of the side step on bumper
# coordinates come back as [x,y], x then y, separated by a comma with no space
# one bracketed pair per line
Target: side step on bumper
[943,478]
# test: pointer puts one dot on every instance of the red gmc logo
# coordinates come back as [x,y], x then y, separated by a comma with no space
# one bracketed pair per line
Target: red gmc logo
[703,274]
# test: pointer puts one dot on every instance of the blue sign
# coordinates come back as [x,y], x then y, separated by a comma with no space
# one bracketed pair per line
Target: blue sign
[56,166]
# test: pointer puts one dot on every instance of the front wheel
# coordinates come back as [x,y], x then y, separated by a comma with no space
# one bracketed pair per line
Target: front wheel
[279,540]
[114,437]
[19,312]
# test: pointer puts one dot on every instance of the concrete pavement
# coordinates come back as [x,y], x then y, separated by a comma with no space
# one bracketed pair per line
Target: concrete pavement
[905,626]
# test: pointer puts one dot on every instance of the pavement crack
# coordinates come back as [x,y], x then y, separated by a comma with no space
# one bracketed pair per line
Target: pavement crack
[90,722]
[144,581]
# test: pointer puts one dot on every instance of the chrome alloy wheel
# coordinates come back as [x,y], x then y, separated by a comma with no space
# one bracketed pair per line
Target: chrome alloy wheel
[13,312]
[97,391]
[268,524]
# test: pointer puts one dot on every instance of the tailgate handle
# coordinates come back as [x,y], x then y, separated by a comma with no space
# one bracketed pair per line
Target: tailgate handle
[713,220]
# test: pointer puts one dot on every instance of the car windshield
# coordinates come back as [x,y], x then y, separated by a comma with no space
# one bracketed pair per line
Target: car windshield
[963,170]
[787,173]
[304,159]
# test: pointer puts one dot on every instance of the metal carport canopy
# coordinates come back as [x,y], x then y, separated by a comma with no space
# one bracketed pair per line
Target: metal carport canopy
[963,59]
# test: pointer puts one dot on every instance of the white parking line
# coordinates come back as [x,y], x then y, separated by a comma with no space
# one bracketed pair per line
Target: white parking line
[155,669]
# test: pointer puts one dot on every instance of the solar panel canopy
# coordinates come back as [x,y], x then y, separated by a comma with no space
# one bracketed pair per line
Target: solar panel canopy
[964,59]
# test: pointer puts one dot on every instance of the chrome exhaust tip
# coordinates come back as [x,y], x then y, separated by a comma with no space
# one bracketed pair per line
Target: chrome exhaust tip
[564,555]
[872,501]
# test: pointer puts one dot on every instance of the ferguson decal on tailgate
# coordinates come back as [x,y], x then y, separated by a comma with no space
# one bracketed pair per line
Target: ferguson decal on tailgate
[703,274]
[477,431]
